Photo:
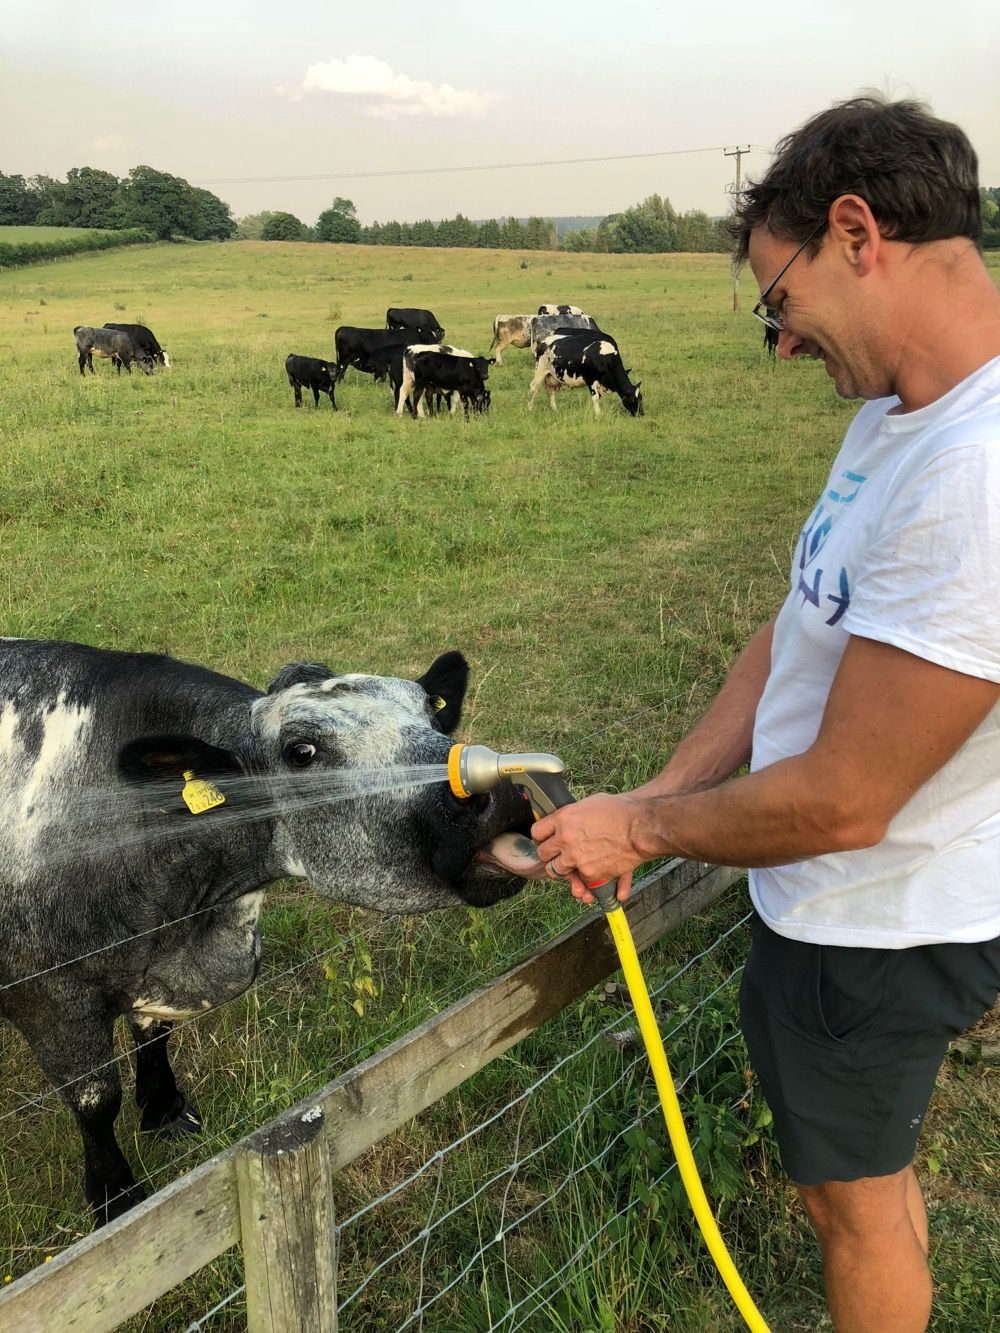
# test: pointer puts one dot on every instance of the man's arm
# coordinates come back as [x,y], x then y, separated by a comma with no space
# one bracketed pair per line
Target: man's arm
[891,721]
[719,744]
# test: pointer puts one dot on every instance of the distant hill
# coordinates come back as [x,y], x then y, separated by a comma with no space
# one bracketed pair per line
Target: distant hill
[563,225]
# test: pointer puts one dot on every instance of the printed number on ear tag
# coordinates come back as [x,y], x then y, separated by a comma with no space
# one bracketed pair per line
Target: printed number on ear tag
[199,795]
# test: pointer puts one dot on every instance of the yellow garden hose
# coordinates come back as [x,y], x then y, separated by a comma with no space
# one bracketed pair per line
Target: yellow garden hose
[477,769]
[622,937]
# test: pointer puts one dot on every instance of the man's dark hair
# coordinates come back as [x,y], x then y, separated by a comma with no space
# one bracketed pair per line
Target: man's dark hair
[918,175]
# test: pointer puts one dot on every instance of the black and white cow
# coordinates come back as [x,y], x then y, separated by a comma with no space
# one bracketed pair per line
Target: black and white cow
[111,343]
[145,805]
[308,372]
[356,347]
[414,321]
[770,340]
[456,377]
[463,389]
[575,360]
[542,326]
[559,310]
[144,341]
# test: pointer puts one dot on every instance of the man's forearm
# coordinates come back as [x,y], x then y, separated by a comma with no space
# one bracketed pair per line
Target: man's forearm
[720,743]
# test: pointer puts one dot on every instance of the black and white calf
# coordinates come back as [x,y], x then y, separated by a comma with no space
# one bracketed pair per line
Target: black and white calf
[578,360]
[559,310]
[146,803]
[414,321]
[144,341]
[308,372]
[111,343]
[429,363]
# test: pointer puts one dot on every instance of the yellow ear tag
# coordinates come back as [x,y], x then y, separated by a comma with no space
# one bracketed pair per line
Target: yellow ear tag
[199,795]
[439,703]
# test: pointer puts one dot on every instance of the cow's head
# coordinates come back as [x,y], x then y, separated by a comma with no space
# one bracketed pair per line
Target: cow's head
[632,398]
[351,768]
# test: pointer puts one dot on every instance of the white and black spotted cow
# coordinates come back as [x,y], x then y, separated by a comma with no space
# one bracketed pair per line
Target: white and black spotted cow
[583,360]
[117,899]
[465,383]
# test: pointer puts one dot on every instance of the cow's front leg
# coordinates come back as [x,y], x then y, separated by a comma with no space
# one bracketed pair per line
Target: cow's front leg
[333,401]
[537,380]
[405,390]
[315,397]
[165,1110]
[77,1055]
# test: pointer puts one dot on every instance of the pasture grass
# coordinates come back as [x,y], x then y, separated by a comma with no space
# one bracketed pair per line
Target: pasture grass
[598,573]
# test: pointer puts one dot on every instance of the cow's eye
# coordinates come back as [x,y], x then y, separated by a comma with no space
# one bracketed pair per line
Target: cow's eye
[300,754]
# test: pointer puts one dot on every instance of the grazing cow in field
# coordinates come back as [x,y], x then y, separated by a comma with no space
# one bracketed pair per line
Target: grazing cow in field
[456,377]
[559,310]
[770,340]
[307,372]
[356,347]
[510,331]
[577,360]
[111,343]
[144,341]
[410,357]
[543,325]
[414,321]
[145,806]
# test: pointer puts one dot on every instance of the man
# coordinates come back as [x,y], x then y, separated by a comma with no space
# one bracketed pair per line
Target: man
[867,708]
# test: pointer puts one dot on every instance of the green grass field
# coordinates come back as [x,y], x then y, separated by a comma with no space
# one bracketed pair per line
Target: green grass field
[20,235]
[598,574]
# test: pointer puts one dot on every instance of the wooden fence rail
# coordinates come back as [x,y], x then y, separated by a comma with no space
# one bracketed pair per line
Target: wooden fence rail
[97,1283]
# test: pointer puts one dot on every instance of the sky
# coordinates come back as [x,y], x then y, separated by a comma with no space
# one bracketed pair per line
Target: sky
[249,100]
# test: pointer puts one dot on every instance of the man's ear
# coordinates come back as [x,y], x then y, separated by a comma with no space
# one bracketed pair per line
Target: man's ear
[852,225]
[445,682]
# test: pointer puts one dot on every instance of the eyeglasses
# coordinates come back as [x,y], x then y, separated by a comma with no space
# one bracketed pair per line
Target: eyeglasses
[765,313]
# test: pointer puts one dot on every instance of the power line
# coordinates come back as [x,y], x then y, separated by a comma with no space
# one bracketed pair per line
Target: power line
[434,171]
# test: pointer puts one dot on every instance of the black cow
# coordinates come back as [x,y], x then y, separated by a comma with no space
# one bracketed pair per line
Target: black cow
[460,377]
[111,343]
[144,341]
[559,310]
[356,347]
[770,340]
[147,803]
[307,372]
[574,360]
[415,321]
[404,395]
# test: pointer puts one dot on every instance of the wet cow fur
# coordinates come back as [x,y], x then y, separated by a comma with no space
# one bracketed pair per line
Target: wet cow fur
[116,900]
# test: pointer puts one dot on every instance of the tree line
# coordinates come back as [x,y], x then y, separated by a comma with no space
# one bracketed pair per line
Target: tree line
[650,227]
[154,201]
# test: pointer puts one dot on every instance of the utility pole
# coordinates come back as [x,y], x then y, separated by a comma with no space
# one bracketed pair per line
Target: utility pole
[735,189]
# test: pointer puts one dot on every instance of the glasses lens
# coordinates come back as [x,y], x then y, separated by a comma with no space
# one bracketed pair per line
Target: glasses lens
[769,316]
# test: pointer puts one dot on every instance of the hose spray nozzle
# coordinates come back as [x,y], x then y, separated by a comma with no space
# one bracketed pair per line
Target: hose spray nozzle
[476,769]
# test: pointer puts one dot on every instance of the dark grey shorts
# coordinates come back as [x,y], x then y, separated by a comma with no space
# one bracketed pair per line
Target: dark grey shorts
[847,1044]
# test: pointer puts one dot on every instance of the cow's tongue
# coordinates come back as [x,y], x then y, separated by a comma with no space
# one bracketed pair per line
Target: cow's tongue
[515,853]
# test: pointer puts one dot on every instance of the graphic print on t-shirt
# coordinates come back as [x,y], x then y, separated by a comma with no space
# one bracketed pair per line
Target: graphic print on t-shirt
[812,585]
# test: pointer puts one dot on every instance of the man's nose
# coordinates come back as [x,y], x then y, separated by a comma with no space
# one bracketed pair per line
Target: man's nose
[789,345]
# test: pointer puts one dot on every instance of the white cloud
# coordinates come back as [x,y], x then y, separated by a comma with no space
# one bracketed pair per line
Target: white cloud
[108,144]
[387,95]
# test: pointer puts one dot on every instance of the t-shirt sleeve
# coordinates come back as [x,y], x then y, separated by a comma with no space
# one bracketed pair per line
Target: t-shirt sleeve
[930,580]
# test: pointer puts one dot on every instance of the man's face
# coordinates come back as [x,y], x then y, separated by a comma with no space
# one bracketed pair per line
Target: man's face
[816,299]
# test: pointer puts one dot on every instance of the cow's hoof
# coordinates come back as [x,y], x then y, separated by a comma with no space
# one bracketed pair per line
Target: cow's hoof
[180,1120]
[118,1203]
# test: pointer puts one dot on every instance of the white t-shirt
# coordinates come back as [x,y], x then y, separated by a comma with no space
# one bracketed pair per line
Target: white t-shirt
[903,547]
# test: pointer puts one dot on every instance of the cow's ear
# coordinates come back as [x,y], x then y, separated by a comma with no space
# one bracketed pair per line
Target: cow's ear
[491,361]
[299,673]
[445,682]
[169,758]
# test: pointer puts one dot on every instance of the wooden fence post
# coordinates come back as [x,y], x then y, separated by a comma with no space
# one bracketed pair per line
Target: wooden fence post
[287,1220]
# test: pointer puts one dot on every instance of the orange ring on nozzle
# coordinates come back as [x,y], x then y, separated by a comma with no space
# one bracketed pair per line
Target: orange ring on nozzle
[455,773]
